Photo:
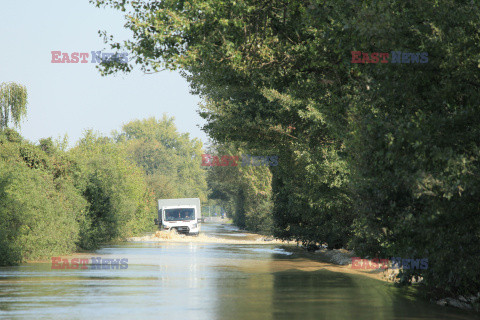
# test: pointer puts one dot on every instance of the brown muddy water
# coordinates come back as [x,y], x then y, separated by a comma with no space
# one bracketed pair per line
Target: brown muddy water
[221,279]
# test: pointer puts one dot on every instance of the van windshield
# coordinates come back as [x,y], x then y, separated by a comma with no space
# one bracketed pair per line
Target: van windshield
[179,214]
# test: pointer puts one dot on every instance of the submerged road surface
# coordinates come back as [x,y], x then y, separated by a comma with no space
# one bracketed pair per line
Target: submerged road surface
[195,280]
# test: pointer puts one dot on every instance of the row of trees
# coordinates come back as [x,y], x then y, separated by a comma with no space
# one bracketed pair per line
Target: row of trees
[244,191]
[383,158]
[55,200]
[170,160]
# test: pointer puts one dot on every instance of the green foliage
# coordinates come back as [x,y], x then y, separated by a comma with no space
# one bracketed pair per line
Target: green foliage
[265,82]
[244,191]
[13,103]
[115,188]
[382,155]
[311,203]
[170,160]
[54,201]
[40,214]
[415,150]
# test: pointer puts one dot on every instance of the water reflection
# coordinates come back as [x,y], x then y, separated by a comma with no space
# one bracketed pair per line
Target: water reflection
[203,281]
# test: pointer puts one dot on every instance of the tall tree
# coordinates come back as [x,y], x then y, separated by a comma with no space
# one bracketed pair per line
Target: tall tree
[170,159]
[13,103]
[392,146]
[243,189]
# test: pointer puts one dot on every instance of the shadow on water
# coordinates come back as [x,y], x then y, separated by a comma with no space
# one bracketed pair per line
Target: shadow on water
[322,294]
[205,281]
[359,294]
[331,295]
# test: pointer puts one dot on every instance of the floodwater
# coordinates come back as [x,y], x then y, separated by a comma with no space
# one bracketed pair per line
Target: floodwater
[194,280]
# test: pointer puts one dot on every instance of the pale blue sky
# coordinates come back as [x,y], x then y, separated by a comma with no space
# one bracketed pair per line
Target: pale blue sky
[68,98]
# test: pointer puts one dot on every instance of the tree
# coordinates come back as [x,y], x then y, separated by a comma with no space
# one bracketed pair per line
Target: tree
[244,190]
[13,103]
[269,82]
[392,147]
[41,211]
[120,204]
[171,160]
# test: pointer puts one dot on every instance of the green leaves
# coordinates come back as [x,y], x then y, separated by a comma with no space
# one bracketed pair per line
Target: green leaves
[170,159]
[40,210]
[384,156]
[13,103]
[244,191]
[115,188]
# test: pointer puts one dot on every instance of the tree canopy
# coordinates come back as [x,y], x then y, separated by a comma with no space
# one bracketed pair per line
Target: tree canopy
[13,103]
[171,160]
[382,158]
[54,201]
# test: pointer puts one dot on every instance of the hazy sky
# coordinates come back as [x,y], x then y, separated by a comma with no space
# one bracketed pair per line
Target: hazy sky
[68,98]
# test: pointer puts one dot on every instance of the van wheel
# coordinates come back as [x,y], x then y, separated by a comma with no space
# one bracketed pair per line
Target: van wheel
[173,231]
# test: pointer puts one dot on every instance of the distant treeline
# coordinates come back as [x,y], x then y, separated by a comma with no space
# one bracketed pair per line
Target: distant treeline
[383,157]
[54,201]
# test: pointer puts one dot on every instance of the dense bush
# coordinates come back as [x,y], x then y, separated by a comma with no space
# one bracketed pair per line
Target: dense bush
[40,214]
[115,189]
[54,201]
[414,145]
[311,203]
[243,190]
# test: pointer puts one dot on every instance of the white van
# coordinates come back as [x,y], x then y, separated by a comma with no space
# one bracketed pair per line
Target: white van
[182,215]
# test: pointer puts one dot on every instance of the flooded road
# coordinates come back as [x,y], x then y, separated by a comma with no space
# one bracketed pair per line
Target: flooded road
[194,280]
